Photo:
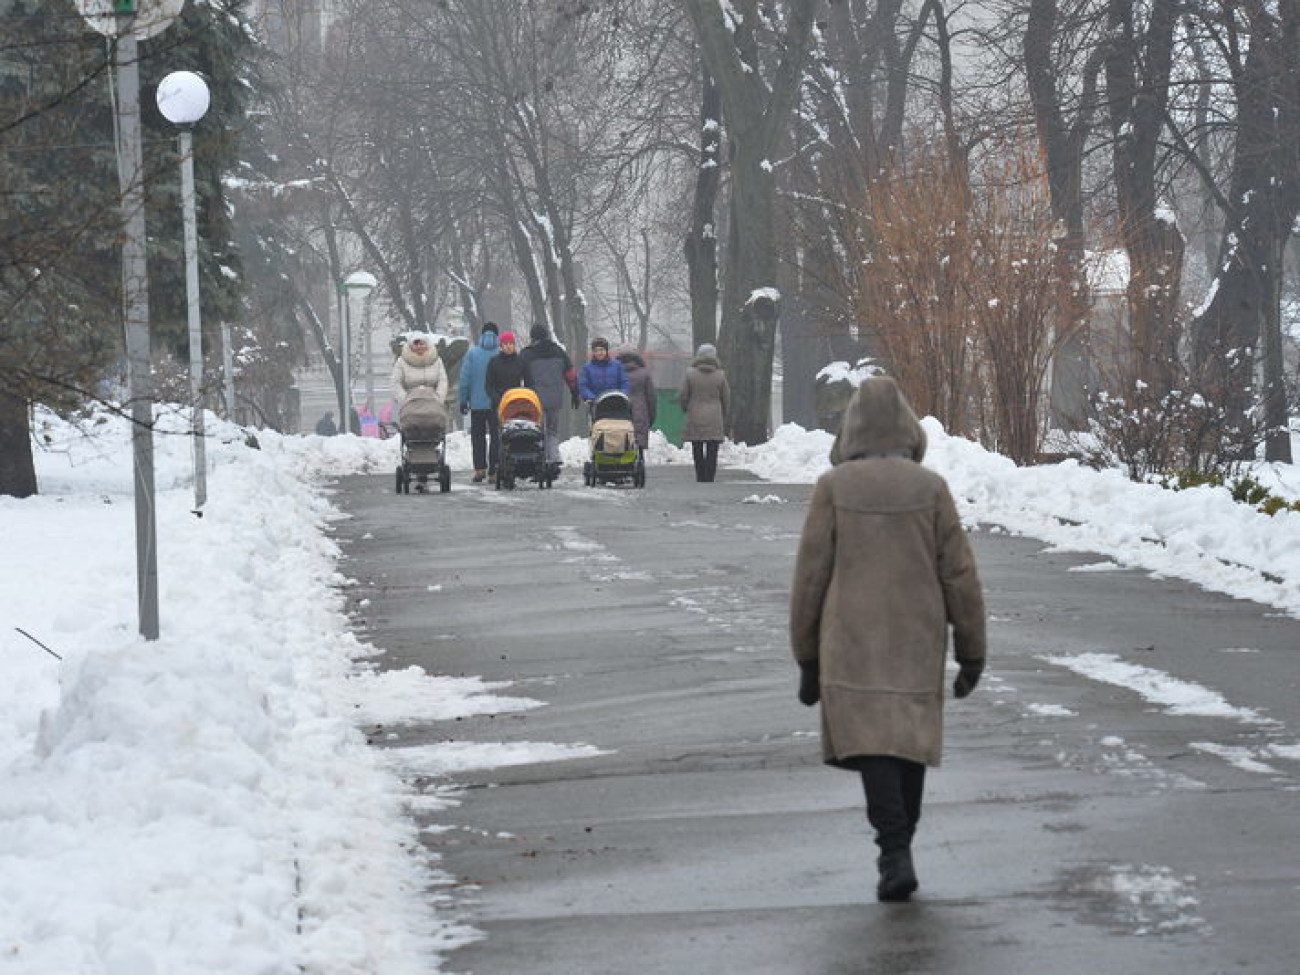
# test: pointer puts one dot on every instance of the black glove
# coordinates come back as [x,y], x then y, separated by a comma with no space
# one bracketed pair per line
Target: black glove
[967,677]
[464,409]
[810,691]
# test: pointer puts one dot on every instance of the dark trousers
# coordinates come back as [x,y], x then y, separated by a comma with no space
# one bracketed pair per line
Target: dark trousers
[894,787]
[705,455]
[483,439]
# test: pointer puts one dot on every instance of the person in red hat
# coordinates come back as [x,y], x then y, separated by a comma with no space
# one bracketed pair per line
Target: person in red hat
[506,370]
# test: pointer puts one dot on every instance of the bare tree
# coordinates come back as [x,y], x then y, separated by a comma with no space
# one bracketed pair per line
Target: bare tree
[1260,202]
[758,65]
[1138,63]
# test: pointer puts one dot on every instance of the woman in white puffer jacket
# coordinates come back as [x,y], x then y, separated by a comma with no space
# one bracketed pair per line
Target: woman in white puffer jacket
[418,365]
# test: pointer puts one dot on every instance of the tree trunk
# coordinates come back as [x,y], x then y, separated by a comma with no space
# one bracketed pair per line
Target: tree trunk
[17,468]
[1263,199]
[1277,435]
[758,112]
[1063,142]
[748,340]
[702,240]
[1138,107]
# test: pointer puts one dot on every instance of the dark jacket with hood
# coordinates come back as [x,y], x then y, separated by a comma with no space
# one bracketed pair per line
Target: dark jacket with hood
[883,570]
[550,372]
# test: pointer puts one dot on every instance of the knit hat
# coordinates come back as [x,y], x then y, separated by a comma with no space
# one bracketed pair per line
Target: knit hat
[491,327]
[600,343]
[538,333]
[706,350]
[507,338]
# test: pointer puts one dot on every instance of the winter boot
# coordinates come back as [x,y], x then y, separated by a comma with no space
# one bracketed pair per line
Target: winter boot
[479,476]
[897,876]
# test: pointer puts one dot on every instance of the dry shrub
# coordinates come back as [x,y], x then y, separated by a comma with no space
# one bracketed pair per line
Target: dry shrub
[963,289]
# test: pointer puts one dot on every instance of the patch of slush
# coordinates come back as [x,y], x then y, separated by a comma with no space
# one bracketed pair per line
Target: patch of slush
[449,757]
[1142,899]
[1173,694]
[1236,756]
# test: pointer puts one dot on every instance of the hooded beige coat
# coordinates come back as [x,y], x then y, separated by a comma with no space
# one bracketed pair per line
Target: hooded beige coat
[883,569]
[706,398]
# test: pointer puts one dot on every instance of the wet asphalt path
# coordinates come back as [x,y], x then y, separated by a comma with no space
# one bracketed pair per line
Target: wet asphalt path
[1074,827]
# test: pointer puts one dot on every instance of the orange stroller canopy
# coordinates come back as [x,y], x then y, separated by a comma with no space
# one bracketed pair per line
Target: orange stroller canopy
[519,404]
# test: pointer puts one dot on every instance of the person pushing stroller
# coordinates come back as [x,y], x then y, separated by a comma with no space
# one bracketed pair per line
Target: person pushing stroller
[600,374]
[552,376]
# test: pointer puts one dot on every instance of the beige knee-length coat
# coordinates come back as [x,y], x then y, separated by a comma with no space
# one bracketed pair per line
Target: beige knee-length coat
[883,570]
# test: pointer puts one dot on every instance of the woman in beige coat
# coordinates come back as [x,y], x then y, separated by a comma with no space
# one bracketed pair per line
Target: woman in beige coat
[883,570]
[706,398]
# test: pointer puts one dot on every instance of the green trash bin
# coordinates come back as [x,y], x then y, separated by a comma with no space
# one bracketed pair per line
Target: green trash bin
[668,369]
[669,418]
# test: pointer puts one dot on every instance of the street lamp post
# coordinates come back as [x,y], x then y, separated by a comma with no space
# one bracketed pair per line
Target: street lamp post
[361,283]
[183,100]
[128,22]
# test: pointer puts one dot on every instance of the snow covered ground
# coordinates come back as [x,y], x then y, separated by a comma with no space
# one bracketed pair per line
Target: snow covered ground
[206,803]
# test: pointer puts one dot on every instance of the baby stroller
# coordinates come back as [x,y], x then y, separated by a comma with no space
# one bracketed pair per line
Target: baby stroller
[422,426]
[523,442]
[615,457]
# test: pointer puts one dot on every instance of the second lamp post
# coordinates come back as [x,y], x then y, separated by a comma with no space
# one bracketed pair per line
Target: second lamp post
[183,99]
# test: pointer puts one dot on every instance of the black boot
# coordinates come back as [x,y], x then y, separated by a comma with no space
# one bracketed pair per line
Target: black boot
[897,876]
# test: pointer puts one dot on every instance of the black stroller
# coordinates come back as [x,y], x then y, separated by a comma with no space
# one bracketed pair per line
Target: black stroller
[523,443]
[422,423]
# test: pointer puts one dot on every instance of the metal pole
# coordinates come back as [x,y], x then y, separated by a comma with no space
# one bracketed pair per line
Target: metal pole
[227,372]
[346,343]
[370,360]
[195,321]
[135,303]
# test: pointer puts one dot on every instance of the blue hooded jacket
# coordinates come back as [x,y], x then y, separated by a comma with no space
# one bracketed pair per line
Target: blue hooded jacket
[473,372]
[600,377]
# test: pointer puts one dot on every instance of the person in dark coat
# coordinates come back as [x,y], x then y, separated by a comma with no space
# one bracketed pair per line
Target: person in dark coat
[325,426]
[507,370]
[642,393]
[705,398]
[600,374]
[475,401]
[883,570]
[552,376]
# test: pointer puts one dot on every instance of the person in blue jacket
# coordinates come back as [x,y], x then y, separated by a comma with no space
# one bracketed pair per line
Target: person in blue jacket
[475,401]
[601,373]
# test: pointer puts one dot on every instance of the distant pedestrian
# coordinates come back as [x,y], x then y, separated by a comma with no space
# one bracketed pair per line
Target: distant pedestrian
[475,401]
[883,569]
[325,426]
[506,370]
[600,373]
[552,376]
[706,399]
[641,391]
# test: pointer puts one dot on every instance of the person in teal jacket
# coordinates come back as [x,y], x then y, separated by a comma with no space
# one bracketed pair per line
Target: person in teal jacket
[477,404]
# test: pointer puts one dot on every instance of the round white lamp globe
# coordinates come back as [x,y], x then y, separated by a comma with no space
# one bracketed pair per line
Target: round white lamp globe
[183,97]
